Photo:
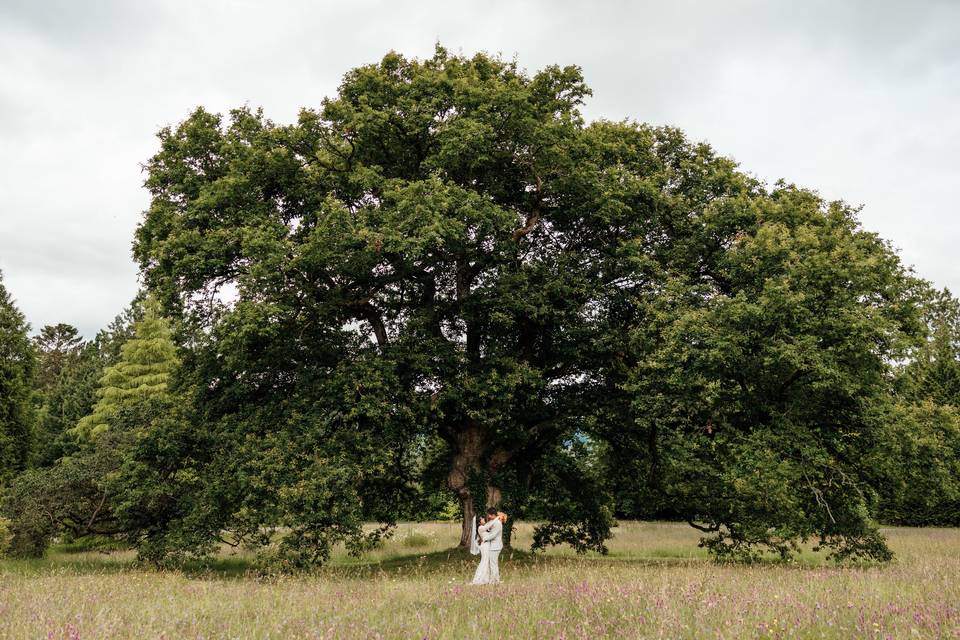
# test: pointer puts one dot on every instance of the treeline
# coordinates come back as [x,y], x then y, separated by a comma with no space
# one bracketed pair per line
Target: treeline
[444,289]
[74,409]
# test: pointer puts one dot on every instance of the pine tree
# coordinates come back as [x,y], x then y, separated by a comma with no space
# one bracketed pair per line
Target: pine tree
[146,363]
[58,347]
[17,362]
[72,396]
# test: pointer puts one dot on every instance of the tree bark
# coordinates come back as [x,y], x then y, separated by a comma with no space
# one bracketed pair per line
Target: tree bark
[497,459]
[469,511]
[494,493]
[494,496]
[469,448]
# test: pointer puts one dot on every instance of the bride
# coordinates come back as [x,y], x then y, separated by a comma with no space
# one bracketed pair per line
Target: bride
[488,542]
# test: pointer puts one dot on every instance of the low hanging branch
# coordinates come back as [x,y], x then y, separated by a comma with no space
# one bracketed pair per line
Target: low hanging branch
[713,528]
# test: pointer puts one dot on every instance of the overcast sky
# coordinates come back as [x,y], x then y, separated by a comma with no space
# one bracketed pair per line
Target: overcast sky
[859,100]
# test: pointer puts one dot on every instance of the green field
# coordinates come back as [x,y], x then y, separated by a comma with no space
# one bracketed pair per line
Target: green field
[655,583]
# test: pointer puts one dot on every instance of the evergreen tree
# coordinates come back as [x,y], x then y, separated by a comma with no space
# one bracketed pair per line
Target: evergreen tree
[143,371]
[68,377]
[72,396]
[58,346]
[17,363]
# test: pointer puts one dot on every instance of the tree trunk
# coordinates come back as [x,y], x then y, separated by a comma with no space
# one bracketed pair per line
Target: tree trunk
[469,442]
[469,510]
[494,493]
[494,496]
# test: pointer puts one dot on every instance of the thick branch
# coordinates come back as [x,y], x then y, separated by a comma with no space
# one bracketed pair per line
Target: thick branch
[533,218]
[96,511]
[709,529]
[793,377]
[466,273]
[528,226]
[369,313]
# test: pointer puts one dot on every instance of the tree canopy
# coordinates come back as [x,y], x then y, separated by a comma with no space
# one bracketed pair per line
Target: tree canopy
[57,348]
[445,275]
[761,386]
[146,363]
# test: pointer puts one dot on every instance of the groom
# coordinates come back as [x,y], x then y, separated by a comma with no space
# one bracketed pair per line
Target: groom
[491,533]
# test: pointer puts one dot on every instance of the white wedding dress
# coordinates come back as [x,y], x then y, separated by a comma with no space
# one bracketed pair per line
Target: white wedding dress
[474,545]
[488,571]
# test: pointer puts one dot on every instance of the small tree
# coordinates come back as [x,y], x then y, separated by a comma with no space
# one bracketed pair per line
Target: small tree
[68,370]
[146,362]
[70,398]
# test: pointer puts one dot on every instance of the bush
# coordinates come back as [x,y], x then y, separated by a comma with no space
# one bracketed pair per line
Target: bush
[65,499]
[450,512]
[6,536]
[89,543]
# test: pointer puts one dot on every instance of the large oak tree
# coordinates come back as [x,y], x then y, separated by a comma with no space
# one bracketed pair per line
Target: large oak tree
[445,265]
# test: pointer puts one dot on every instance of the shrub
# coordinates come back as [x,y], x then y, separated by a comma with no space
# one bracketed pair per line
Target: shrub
[6,536]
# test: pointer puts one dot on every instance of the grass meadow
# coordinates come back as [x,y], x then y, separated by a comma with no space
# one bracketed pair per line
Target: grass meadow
[655,583]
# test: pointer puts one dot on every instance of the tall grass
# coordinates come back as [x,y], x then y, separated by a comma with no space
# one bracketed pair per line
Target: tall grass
[654,584]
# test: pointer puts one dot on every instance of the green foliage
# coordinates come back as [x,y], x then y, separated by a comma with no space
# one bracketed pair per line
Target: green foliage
[933,370]
[68,391]
[57,347]
[763,384]
[17,415]
[917,463]
[573,500]
[428,503]
[149,494]
[445,276]
[146,363]
[68,498]
[6,537]
[69,397]
[95,491]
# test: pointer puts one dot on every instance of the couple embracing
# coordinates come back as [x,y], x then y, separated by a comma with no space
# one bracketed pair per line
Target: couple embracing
[488,542]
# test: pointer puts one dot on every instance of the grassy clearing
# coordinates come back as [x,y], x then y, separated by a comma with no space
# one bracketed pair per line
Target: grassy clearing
[655,583]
